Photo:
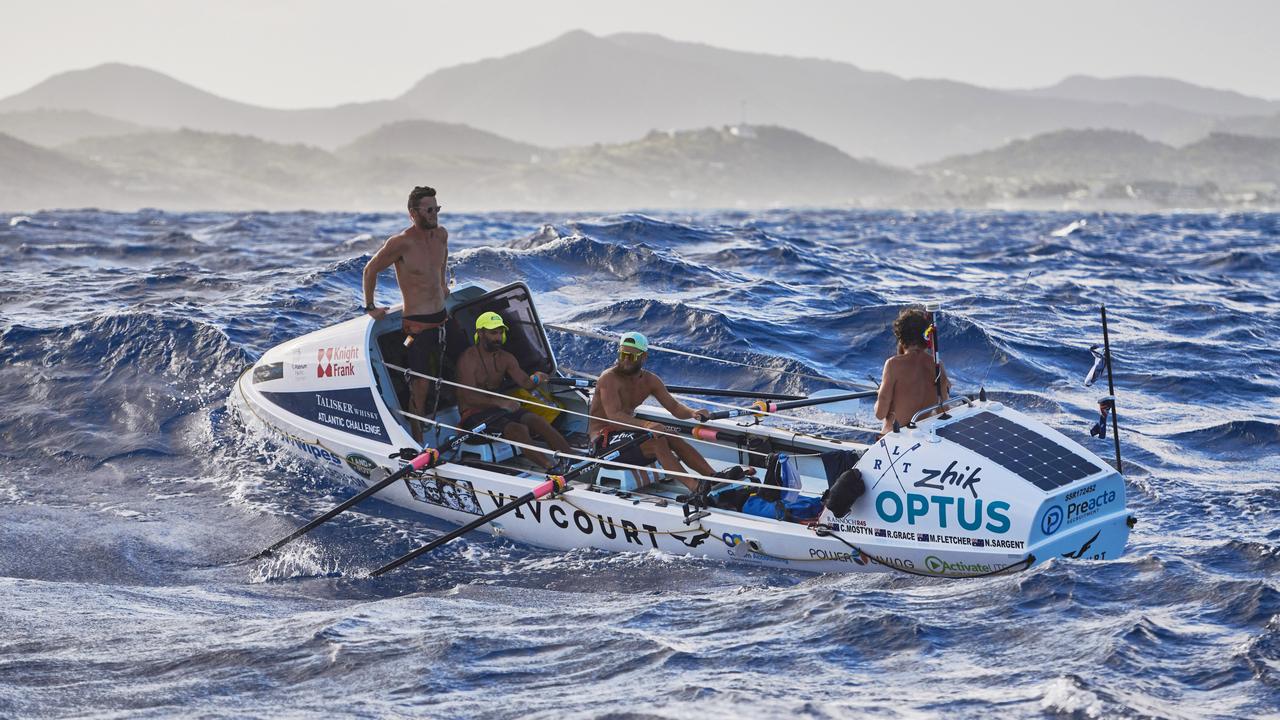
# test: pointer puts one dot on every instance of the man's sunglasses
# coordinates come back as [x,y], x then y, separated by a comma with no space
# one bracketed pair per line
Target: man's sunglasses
[633,354]
[430,209]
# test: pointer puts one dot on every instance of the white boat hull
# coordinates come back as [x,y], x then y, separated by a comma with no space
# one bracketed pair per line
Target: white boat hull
[917,518]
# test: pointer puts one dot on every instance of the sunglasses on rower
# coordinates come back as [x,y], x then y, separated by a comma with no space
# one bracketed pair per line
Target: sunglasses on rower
[630,354]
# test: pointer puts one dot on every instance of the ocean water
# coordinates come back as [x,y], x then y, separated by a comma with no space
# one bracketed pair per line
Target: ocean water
[129,494]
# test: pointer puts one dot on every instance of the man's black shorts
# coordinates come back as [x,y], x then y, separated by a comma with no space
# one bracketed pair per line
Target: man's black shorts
[424,352]
[606,441]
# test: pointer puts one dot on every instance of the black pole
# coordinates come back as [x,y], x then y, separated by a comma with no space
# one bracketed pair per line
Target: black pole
[429,458]
[1111,387]
[582,384]
[713,392]
[554,483]
[937,365]
[790,404]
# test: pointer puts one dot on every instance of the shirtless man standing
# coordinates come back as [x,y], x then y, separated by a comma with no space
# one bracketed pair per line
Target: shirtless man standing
[619,391]
[419,253]
[486,365]
[907,386]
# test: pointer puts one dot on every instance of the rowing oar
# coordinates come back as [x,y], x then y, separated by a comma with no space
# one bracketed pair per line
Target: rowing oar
[822,397]
[554,483]
[428,459]
[583,384]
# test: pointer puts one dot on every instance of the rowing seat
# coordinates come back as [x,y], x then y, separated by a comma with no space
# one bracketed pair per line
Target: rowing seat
[624,479]
[489,450]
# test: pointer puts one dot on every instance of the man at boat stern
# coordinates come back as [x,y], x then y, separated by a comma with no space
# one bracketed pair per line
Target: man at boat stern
[908,385]
[487,366]
[419,253]
[619,391]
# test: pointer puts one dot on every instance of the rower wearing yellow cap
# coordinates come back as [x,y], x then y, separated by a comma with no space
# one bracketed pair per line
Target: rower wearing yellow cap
[487,366]
[619,391]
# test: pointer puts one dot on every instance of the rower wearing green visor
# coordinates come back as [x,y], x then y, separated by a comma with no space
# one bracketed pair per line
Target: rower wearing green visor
[619,391]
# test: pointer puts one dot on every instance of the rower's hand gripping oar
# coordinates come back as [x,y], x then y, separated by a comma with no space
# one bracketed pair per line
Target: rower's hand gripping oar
[428,459]
[554,484]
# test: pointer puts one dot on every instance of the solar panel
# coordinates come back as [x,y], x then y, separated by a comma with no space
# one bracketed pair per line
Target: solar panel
[1032,456]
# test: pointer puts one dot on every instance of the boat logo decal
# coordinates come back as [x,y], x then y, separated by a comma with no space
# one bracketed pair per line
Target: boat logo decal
[362,465]
[891,458]
[297,366]
[1052,520]
[939,479]
[694,541]
[1077,511]
[351,410]
[265,373]
[307,448]
[938,566]
[944,510]
[837,556]
[336,362]
[449,494]
[581,520]
[1078,554]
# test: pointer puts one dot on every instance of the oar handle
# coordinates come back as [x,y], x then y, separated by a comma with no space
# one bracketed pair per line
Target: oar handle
[428,458]
[571,382]
[732,413]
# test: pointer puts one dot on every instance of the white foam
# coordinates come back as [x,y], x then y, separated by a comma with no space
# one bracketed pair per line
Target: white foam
[1064,695]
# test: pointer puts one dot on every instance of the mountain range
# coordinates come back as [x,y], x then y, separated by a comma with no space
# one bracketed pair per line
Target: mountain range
[631,118]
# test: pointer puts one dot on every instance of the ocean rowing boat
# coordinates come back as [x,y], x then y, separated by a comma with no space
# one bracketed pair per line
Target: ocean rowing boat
[979,490]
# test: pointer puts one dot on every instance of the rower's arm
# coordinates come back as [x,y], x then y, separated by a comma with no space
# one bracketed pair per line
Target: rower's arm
[518,375]
[884,399]
[444,266]
[386,256]
[673,406]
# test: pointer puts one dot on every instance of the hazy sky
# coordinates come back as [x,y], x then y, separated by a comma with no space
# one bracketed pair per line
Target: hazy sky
[307,53]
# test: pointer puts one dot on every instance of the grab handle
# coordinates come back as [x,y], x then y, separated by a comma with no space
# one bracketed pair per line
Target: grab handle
[944,404]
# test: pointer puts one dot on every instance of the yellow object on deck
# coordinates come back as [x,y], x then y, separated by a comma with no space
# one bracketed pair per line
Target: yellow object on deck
[539,395]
